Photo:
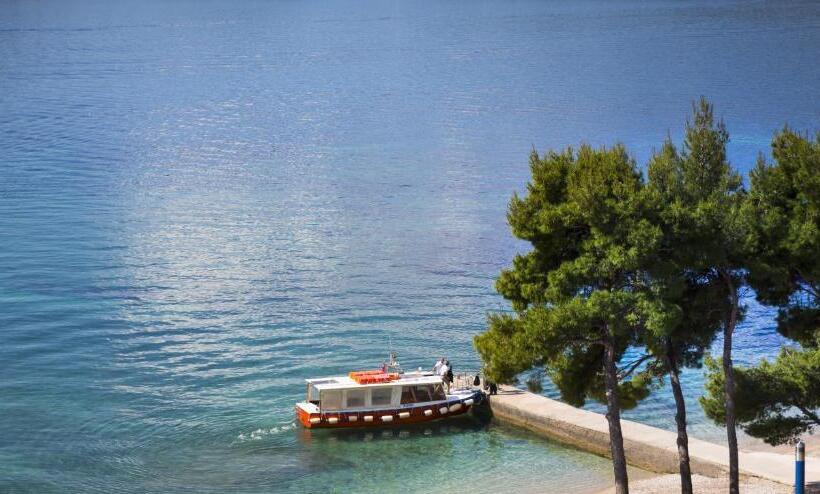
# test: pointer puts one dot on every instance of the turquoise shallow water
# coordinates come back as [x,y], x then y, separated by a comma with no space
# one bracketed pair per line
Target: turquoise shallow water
[204,203]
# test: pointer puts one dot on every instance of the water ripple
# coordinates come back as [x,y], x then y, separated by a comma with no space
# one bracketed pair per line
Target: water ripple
[203,204]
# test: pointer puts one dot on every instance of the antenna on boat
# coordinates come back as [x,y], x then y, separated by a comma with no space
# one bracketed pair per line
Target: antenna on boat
[393,363]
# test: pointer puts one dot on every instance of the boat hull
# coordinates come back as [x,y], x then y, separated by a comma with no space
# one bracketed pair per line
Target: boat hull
[388,417]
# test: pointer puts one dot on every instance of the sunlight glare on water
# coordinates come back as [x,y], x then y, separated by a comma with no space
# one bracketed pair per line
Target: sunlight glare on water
[204,203]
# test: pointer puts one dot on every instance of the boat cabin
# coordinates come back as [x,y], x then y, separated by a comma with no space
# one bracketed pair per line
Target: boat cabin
[346,393]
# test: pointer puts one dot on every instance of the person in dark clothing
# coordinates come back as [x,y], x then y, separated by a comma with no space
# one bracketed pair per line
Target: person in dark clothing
[493,388]
[449,373]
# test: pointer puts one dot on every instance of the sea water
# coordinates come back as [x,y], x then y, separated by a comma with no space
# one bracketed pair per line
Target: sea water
[204,203]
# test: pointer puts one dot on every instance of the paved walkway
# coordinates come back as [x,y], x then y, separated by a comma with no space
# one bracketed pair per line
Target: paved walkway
[646,447]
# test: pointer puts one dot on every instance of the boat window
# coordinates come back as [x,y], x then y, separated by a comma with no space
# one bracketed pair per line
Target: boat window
[438,392]
[407,395]
[423,393]
[355,398]
[313,394]
[381,396]
[331,400]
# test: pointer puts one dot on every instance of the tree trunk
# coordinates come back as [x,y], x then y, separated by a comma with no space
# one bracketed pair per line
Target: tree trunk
[680,420]
[729,389]
[613,417]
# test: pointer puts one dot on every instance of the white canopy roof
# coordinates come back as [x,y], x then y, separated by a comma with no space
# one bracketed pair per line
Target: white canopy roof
[345,382]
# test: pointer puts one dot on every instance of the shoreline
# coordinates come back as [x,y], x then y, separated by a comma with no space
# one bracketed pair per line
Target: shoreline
[650,448]
[812,442]
[670,482]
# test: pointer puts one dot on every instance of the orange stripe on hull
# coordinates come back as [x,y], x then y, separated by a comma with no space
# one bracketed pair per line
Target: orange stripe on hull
[343,419]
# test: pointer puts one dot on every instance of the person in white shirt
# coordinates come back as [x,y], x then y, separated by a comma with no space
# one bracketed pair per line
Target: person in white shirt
[443,373]
[437,367]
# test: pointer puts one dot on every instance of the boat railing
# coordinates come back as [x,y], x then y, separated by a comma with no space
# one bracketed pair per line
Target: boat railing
[464,381]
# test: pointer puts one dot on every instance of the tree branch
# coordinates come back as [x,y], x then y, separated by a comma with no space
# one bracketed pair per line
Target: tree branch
[810,414]
[585,341]
[624,373]
[807,284]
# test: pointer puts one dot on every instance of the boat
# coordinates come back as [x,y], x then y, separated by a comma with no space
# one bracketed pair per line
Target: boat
[382,397]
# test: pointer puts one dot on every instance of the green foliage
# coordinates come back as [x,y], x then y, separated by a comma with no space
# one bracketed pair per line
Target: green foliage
[701,195]
[586,215]
[713,401]
[620,263]
[800,323]
[505,348]
[696,194]
[694,309]
[783,216]
[776,401]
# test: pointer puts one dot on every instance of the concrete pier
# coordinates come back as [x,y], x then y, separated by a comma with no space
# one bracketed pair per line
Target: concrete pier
[646,447]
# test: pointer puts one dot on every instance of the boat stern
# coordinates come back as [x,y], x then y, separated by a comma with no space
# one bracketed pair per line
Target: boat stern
[308,414]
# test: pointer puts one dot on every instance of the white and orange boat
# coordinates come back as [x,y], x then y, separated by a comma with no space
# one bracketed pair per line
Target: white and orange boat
[378,398]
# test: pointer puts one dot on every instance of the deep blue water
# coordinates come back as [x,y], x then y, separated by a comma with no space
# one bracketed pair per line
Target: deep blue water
[204,203]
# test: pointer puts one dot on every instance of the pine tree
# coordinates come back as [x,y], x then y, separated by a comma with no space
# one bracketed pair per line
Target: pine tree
[701,196]
[778,401]
[694,302]
[579,295]
[621,265]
